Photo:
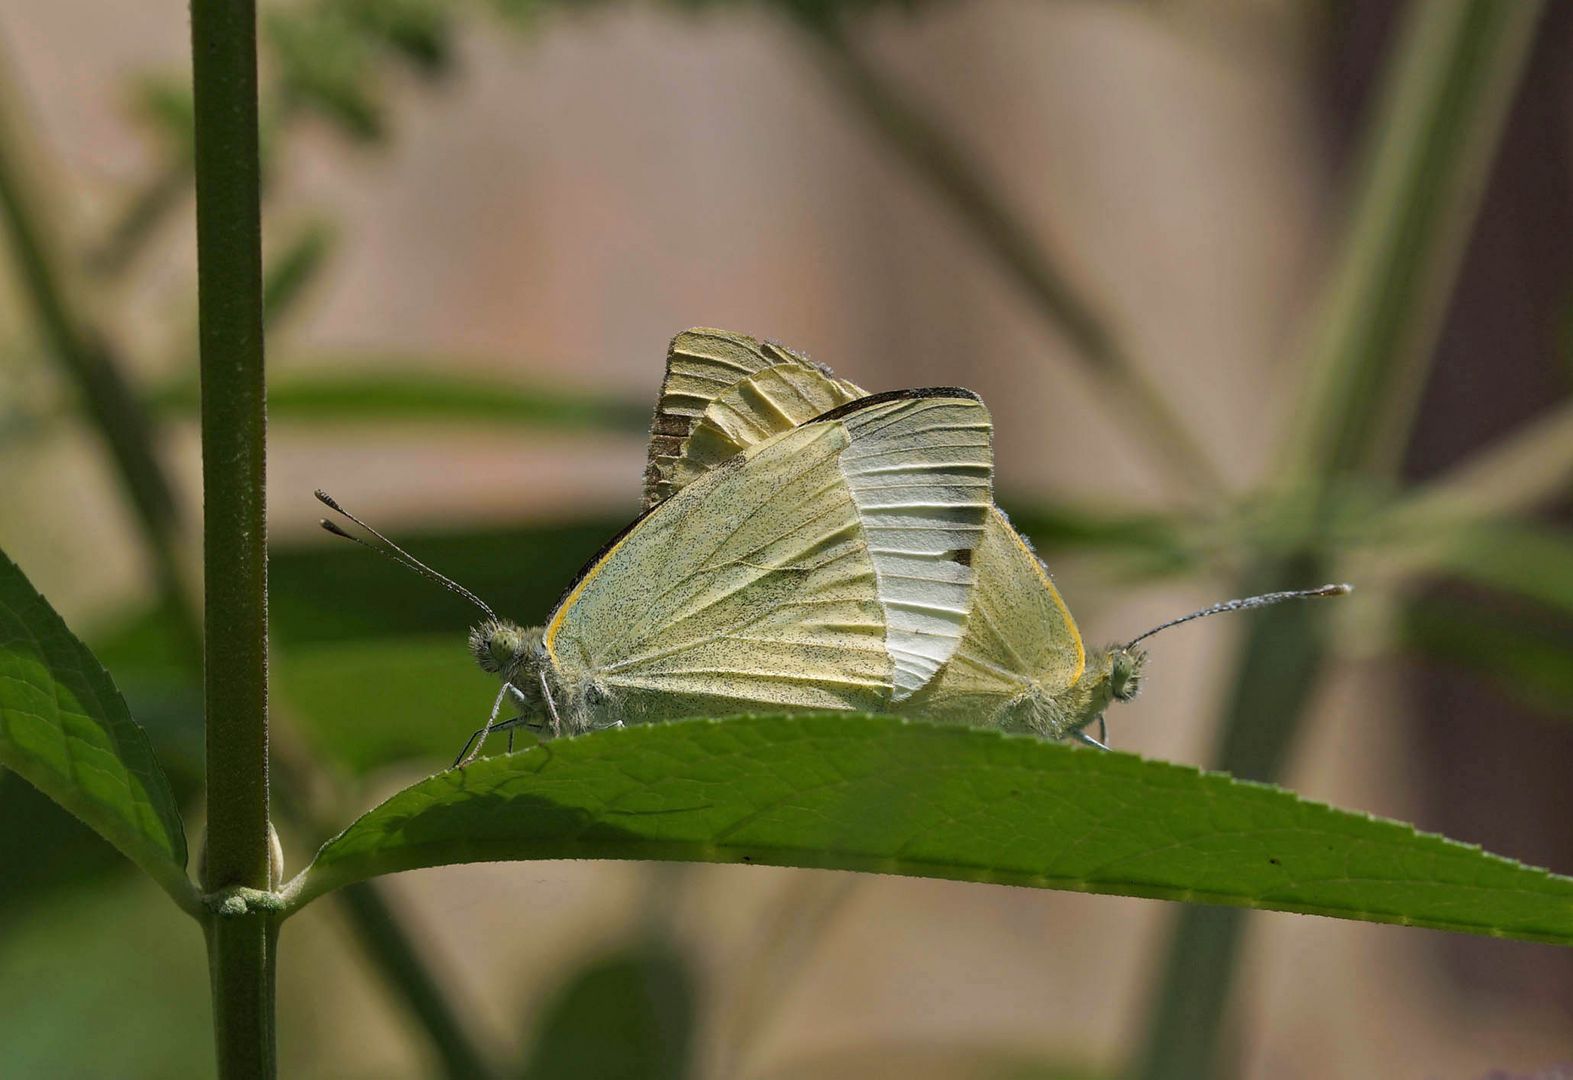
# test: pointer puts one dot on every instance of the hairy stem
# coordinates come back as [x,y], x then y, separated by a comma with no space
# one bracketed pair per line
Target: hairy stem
[234,430]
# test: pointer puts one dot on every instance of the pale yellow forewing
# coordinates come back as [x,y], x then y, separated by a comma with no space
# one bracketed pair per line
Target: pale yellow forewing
[826,567]
[724,392]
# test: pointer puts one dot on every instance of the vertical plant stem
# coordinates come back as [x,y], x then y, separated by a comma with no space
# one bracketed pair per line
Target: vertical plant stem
[1434,132]
[242,968]
[90,360]
[933,155]
[234,429]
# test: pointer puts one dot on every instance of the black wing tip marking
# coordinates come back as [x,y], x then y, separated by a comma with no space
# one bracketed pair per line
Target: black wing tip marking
[913,394]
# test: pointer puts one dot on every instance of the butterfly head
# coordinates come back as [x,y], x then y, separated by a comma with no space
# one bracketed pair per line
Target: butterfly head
[502,647]
[1125,672]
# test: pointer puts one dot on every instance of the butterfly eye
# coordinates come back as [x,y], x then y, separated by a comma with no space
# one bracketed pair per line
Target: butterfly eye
[497,645]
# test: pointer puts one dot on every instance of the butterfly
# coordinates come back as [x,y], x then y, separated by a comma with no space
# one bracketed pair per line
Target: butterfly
[828,566]
[806,546]
[1020,665]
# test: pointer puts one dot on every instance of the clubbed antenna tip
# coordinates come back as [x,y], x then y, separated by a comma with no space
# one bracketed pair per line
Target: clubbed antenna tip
[393,551]
[1247,603]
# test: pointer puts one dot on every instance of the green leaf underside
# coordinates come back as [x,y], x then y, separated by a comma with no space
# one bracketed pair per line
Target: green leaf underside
[883,795]
[65,728]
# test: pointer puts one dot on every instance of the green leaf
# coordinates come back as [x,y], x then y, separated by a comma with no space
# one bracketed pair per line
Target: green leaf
[65,728]
[879,794]
[649,990]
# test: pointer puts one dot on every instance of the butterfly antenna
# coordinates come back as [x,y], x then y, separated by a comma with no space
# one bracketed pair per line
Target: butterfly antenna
[1246,604]
[395,552]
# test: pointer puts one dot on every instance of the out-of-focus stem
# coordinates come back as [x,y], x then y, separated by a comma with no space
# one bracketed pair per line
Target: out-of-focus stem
[1528,468]
[1435,128]
[399,959]
[1423,166]
[1275,675]
[148,208]
[89,362]
[933,155]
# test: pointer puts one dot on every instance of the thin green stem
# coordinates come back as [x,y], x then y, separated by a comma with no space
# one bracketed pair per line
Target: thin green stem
[234,427]
[234,430]
[935,156]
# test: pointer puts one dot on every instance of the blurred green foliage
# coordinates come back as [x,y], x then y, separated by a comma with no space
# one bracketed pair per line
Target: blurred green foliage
[650,989]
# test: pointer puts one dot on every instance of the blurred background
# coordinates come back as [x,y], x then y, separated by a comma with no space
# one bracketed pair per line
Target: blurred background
[1260,294]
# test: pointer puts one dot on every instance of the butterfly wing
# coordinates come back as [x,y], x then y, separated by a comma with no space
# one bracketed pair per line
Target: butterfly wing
[1019,633]
[1020,629]
[826,567]
[724,392]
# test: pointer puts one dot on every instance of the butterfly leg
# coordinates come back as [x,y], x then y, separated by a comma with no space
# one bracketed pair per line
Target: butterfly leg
[473,747]
[510,725]
[551,706]
[1083,737]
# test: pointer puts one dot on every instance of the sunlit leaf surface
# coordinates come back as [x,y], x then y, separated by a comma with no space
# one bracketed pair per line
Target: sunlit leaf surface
[878,794]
